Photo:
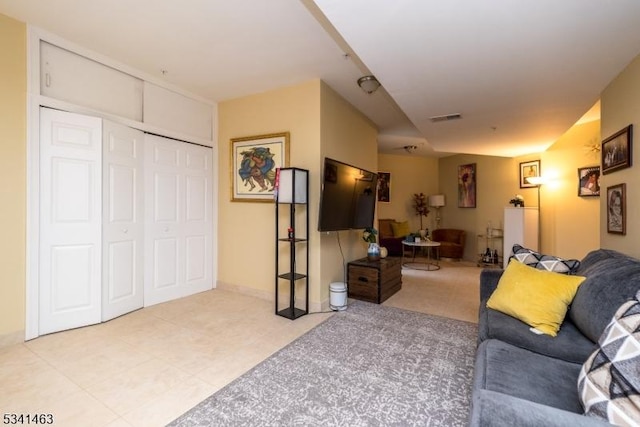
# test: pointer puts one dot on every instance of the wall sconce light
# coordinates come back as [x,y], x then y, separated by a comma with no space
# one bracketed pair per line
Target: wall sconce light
[368,84]
[437,201]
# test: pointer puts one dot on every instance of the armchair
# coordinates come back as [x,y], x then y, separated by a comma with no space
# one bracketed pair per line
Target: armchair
[451,242]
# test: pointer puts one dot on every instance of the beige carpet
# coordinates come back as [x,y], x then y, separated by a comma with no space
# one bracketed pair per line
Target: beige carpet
[453,291]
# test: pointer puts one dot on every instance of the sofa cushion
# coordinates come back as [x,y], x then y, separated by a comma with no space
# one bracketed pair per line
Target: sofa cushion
[511,370]
[570,344]
[612,279]
[609,381]
[544,262]
[400,229]
[537,297]
[489,408]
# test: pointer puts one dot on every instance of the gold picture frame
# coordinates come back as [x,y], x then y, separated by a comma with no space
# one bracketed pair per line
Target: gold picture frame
[254,160]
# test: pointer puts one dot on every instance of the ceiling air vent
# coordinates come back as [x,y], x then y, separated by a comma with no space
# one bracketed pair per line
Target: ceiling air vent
[445,118]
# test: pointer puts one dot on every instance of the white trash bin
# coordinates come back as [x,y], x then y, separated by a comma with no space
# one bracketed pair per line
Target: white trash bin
[338,296]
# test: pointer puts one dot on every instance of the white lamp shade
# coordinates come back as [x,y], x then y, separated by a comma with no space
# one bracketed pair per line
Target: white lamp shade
[436,200]
[292,185]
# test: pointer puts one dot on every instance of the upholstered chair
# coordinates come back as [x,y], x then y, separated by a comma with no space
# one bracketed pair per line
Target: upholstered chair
[451,242]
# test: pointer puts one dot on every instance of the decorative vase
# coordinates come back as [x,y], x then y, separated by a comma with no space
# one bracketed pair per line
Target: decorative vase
[383,252]
[423,233]
[373,252]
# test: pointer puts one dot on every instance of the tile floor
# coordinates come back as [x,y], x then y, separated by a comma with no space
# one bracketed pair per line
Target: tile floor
[148,367]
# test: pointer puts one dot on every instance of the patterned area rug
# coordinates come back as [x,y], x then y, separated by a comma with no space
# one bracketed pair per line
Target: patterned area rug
[370,365]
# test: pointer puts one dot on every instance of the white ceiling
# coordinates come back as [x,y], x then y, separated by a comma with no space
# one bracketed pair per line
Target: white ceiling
[520,72]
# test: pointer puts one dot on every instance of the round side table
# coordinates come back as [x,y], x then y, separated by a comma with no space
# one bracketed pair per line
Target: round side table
[432,262]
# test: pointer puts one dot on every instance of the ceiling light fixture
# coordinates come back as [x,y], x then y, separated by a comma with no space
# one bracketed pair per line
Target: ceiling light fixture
[368,84]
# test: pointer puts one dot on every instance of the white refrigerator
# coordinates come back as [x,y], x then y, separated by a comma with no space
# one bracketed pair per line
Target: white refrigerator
[521,227]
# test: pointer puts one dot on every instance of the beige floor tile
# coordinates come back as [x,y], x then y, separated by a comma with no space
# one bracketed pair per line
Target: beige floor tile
[120,422]
[170,405]
[81,410]
[137,386]
[35,391]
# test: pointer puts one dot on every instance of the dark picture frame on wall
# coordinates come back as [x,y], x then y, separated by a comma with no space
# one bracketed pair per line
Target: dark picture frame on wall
[529,169]
[384,187]
[617,209]
[467,186]
[616,151]
[589,181]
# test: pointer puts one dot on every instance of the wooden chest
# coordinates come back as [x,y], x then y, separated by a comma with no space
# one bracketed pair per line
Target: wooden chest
[374,281]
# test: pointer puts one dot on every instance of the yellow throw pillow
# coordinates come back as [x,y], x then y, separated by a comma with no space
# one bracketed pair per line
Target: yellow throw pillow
[539,298]
[400,229]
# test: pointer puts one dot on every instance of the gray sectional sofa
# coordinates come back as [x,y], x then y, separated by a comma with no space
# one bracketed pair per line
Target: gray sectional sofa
[525,379]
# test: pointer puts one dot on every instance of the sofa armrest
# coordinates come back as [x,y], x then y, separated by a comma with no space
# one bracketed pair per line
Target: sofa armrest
[493,409]
[489,278]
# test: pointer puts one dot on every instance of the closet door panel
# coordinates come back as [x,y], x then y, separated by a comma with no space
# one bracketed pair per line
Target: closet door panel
[164,234]
[123,221]
[179,221]
[70,221]
[199,221]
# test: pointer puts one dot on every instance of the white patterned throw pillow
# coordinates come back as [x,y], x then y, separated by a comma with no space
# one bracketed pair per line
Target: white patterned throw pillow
[544,262]
[609,382]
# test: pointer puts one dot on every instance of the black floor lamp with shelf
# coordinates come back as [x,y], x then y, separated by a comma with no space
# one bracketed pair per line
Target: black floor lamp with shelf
[292,192]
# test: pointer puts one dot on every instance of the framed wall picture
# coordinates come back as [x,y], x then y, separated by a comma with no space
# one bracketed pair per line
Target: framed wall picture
[529,170]
[467,186]
[617,209]
[616,151]
[589,181]
[254,160]
[384,187]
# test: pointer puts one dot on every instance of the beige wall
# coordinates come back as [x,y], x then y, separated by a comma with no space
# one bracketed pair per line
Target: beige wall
[13,87]
[620,108]
[246,236]
[496,184]
[321,124]
[409,175]
[570,224]
[349,137]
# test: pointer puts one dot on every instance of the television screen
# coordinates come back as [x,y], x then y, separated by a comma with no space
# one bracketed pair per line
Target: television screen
[348,197]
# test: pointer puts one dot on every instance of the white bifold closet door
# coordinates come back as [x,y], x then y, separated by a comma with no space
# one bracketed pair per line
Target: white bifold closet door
[70,188]
[178,226]
[122,220]
[125,220]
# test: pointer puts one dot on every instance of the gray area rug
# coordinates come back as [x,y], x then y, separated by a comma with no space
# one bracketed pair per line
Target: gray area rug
[370,365]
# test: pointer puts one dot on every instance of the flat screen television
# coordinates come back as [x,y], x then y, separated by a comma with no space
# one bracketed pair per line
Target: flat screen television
[348,197]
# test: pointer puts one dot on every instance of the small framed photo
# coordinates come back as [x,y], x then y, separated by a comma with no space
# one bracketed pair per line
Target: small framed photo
[617,209]
[384,187]
[616,151]
[589,181]
[254,160]
[529,170]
